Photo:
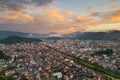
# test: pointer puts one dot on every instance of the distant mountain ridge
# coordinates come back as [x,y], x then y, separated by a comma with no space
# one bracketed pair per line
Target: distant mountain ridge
[18,39]
[5,34]
[109,35]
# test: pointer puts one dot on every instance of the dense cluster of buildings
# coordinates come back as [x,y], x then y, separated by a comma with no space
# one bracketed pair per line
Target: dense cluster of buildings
[84,50]
[36,61]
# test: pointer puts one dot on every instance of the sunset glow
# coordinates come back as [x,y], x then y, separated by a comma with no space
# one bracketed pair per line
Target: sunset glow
[60,16]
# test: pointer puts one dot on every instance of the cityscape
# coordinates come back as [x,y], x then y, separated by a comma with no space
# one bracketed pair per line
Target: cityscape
[49,60]
[59,40]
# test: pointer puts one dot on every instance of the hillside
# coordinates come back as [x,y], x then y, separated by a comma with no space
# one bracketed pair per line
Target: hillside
[18,39]
[110,35]
[5,34]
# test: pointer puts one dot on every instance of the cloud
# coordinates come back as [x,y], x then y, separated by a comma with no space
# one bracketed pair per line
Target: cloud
[11,4]
[15,10]
[91,9]
[49,19]
[109,17]
[114,17]
[17,15]
[115,7]
[113,0]
[22,16]
[65,21]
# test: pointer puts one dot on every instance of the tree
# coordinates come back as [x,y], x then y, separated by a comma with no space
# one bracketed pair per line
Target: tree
[4,56]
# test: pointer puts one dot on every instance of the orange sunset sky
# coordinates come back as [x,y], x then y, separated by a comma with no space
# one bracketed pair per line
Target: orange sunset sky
[60,16]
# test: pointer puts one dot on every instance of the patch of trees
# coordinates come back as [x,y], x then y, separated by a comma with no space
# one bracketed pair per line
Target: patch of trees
[104,52]
[4,56]
[6,78]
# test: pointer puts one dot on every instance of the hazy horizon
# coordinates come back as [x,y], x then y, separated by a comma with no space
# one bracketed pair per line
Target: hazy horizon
[56,32]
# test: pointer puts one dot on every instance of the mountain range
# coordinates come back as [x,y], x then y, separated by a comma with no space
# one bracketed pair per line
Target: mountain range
[109,35]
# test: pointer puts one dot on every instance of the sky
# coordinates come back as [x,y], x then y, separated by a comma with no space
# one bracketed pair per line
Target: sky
[60,16]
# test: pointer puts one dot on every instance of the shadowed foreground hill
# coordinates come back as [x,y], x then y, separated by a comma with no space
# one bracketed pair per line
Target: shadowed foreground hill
[17,39]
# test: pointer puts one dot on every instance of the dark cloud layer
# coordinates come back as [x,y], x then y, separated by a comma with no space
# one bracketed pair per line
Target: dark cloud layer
[15,4]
